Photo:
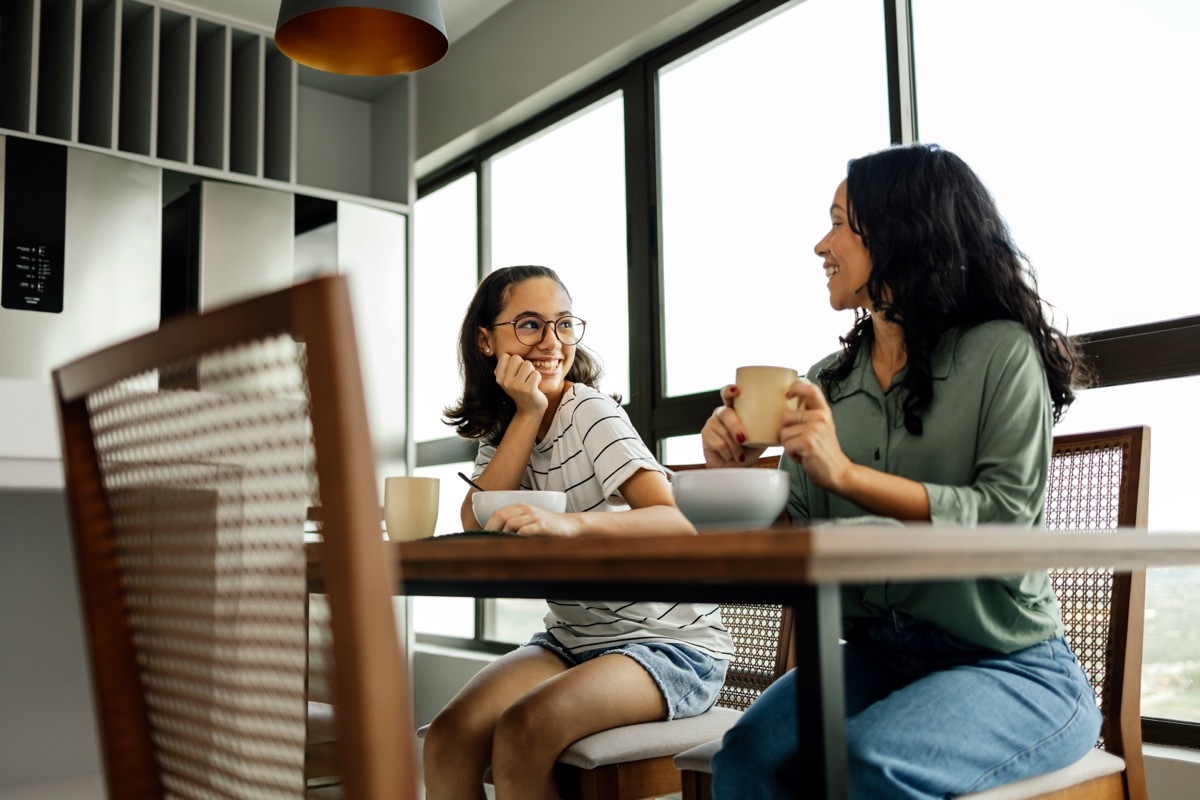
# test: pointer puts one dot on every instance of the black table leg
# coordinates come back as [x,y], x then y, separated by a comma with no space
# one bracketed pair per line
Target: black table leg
[820,693]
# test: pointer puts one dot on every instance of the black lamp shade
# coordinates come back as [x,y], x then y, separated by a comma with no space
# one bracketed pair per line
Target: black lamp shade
[362,37]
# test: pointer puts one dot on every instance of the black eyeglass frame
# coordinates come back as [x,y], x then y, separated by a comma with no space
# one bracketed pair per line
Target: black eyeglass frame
[547,324]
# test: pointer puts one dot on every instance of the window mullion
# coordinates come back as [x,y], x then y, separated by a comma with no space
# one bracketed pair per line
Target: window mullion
[901,72]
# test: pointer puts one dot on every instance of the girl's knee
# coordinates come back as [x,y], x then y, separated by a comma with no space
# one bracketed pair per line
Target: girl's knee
[519,729]
[454,735]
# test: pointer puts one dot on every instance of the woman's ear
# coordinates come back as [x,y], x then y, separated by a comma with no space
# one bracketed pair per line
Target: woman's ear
[485,345]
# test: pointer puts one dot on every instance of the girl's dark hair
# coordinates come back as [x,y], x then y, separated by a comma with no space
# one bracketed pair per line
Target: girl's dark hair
[943,258]
[484,410]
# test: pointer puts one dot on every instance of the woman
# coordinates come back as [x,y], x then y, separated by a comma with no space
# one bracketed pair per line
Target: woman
[938,408]
[529,398]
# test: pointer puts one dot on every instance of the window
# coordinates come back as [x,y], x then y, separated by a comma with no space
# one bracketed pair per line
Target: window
[1077,114]
[445,267]
[558,200]
[1171,668]
[755,132]
[1101,98]
[445,616]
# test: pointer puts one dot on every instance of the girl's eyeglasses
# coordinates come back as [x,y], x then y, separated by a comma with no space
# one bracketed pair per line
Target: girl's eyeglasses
[531,330]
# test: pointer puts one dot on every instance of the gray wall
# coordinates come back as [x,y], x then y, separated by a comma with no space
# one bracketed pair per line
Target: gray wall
[48,730]
[335,149]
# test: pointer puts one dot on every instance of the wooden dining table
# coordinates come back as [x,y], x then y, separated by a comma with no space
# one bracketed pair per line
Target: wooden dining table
[798,567]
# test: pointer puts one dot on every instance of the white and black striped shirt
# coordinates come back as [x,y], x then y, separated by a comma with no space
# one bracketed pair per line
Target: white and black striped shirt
[590,450]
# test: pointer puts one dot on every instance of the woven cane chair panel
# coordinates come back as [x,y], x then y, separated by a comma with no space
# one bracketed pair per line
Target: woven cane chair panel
[1084,494]
[755,632]
[207,469]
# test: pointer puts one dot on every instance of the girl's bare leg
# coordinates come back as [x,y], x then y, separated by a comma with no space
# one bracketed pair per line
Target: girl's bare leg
[611,691]
[458,744]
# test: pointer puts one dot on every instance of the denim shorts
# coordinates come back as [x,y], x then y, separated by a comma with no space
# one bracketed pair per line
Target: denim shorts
[689,679]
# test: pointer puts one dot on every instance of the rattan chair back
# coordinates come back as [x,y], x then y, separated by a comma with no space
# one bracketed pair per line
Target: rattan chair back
[1100,481]
[192,455]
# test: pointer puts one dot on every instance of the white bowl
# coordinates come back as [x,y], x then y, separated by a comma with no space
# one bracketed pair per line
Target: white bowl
[484,504]
[730,498]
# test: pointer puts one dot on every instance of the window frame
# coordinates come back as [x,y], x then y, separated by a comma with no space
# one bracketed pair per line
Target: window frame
[1153,351]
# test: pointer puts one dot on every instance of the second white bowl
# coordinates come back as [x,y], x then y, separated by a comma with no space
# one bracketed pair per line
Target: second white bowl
[728,498]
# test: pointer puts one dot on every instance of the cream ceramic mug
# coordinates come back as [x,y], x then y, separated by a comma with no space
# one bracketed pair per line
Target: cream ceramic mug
[410,507]
[761,400]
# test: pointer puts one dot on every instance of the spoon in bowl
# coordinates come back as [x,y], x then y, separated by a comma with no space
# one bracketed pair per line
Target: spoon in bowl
[472,483]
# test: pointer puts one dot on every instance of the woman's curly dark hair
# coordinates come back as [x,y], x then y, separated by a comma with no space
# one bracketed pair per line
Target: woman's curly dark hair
[942,258]
[485,410]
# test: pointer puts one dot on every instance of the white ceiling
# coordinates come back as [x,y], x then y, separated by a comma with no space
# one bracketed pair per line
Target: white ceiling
[460,15]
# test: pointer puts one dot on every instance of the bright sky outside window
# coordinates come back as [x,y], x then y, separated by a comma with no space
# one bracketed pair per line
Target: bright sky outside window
[755,134]
[558,200]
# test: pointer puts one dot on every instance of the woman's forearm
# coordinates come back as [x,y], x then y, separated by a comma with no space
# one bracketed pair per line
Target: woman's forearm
[885,494]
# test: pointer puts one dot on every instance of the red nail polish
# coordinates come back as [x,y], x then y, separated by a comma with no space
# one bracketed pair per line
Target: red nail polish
[741,437]
[742,458]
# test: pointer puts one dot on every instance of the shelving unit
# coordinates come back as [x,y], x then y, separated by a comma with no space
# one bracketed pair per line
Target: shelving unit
[148,78]
[59,40]
[176,85]
[138,83]
[212,95]
[19,36]
[279,104]
[245,109]
[97,73]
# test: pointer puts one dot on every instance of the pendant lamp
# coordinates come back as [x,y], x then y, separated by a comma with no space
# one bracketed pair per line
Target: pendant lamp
[362,37]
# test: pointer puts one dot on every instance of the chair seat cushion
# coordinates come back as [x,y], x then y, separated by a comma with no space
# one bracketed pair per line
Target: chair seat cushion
[698,759]
[649,739]
[1095,764]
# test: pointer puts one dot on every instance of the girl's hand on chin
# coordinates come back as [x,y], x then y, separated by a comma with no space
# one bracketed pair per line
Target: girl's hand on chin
[520,381]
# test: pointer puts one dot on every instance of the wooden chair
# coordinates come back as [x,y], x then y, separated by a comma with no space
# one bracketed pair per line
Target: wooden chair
[1097,481]
[636,761]
[191,456]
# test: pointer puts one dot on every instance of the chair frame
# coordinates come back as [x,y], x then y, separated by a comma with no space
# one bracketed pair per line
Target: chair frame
[1121,697]
[376,748]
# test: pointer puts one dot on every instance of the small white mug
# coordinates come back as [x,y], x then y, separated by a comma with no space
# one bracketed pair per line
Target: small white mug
[761,400]
[410,507]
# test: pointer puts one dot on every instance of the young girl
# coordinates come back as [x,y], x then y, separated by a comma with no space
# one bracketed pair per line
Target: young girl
[530,399]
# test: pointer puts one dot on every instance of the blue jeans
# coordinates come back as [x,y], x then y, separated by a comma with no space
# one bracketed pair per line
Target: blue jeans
[927,716]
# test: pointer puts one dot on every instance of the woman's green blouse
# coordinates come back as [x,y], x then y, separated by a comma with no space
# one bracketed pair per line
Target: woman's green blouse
[983,457]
